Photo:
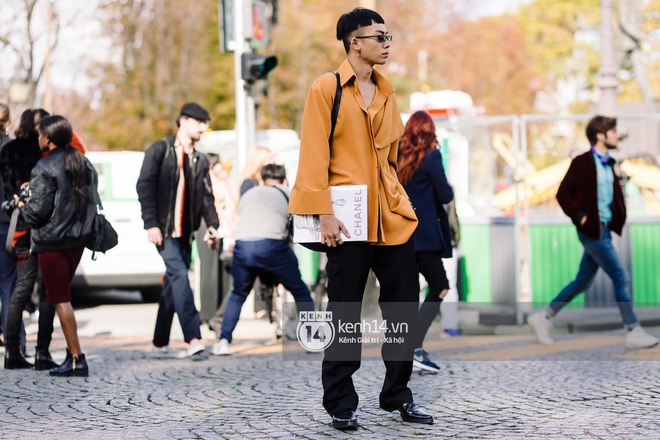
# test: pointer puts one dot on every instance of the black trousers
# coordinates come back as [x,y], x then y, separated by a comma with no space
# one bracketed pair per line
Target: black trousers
[348,268]
[430,265]
[28,271]
[210,278]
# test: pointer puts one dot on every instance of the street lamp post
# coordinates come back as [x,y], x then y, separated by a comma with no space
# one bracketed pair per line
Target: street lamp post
[241,98]
[607,82]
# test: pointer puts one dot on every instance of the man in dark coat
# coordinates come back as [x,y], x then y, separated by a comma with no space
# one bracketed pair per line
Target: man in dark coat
[174,189]
[591,196]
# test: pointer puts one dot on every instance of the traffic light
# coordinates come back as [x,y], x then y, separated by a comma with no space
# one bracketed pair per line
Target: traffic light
[254,67]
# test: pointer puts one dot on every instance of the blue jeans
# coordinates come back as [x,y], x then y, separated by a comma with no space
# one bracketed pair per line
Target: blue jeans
[599,253]
[176,295]
[271,259]
[8,272]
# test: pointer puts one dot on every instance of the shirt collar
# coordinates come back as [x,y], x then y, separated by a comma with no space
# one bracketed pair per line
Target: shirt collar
[346,73]
[178,144]
[605,159]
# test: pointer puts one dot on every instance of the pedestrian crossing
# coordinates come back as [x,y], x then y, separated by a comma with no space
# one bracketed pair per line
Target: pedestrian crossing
[609,346]
[536,349]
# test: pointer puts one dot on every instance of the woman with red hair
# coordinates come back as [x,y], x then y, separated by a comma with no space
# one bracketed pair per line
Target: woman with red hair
[421,173]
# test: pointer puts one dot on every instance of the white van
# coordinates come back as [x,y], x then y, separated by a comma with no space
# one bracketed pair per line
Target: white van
[134,263]
[284,143]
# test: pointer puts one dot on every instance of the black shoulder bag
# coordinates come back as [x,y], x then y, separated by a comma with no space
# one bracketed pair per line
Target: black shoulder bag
[319,247]
[103,236]
[19,249]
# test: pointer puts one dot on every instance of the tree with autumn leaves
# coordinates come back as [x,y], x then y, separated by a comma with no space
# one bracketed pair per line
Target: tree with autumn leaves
[167,52]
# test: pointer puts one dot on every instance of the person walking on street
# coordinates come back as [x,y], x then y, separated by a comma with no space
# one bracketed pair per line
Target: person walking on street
[262,250]
[174,191]
[364,151]
[17,160]
[256,159]
[225,206]
[5,120]
[421,173]
[7,265]
[591,195]
[210,264]
[59,213]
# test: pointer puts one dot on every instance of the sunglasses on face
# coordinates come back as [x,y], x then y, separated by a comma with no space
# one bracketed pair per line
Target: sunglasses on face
[381,37]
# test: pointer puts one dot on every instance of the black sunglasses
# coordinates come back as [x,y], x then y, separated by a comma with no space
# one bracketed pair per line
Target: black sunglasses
[381,37]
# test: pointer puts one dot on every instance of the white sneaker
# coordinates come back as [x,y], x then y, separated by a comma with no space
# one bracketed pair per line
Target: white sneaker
[194,347]
[162,352]
[221,348]
[638,338]
[541,323]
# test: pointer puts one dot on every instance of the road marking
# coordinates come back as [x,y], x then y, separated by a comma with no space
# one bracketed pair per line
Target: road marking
[473,341]
[460,342]
[647,354]
[539,349]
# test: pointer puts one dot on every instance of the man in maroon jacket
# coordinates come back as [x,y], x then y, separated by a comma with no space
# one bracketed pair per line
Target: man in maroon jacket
[591,196]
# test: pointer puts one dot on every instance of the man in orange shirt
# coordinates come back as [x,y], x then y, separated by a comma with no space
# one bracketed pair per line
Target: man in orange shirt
[364,151]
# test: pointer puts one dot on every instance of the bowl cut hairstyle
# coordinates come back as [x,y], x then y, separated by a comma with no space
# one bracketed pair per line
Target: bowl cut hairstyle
[354,20]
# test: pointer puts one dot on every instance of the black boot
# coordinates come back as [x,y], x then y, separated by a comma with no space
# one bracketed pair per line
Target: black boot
[43,360]
[74,365]
[14,359]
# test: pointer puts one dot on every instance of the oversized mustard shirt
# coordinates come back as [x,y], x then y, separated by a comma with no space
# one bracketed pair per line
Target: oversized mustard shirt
[364,151]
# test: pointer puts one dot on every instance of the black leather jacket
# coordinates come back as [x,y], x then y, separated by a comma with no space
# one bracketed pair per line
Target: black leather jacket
[17,158]
[56,224]
[156,188]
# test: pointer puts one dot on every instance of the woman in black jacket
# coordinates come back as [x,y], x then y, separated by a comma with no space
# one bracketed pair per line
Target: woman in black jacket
[60,212]
[421,173]
[17,160]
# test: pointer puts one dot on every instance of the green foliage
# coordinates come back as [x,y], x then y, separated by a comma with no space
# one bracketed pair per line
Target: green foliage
[560,35]
[169,55]
[166,53]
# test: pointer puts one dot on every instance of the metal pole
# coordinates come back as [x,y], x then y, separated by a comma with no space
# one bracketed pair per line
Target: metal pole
[241,100]
[48,94]
[251,121]
[607,81]
[515,131]
[526,294]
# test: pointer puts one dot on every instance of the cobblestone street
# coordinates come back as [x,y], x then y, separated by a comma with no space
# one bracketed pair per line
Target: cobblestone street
[585,386]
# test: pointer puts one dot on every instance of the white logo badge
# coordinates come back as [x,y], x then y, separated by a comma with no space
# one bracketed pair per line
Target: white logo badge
[315,330]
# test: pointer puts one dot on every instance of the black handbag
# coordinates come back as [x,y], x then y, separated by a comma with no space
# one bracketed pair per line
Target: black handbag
[103,236]
[314,246]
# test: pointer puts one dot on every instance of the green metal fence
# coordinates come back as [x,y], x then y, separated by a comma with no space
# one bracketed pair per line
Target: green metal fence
[555,257]
[645,255]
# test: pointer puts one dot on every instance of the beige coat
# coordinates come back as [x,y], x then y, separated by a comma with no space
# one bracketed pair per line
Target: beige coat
[364,151]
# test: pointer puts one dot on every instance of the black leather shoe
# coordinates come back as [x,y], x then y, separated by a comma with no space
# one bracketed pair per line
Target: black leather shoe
[345,420]
[74,365]
[14,360]
[44,361]
[412,413]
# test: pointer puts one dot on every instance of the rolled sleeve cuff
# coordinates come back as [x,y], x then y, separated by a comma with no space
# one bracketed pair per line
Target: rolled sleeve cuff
[310,202]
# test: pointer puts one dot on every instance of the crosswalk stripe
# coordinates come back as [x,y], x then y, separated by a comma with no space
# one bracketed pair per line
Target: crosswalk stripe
[539,349]
[650,354]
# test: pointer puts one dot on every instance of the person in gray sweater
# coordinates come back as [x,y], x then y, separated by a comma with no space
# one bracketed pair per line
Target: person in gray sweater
[262,250]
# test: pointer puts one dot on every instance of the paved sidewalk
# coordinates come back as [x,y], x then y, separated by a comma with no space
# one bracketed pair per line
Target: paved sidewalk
[587,386]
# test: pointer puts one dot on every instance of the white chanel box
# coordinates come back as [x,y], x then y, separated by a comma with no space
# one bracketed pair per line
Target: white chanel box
[349,204]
